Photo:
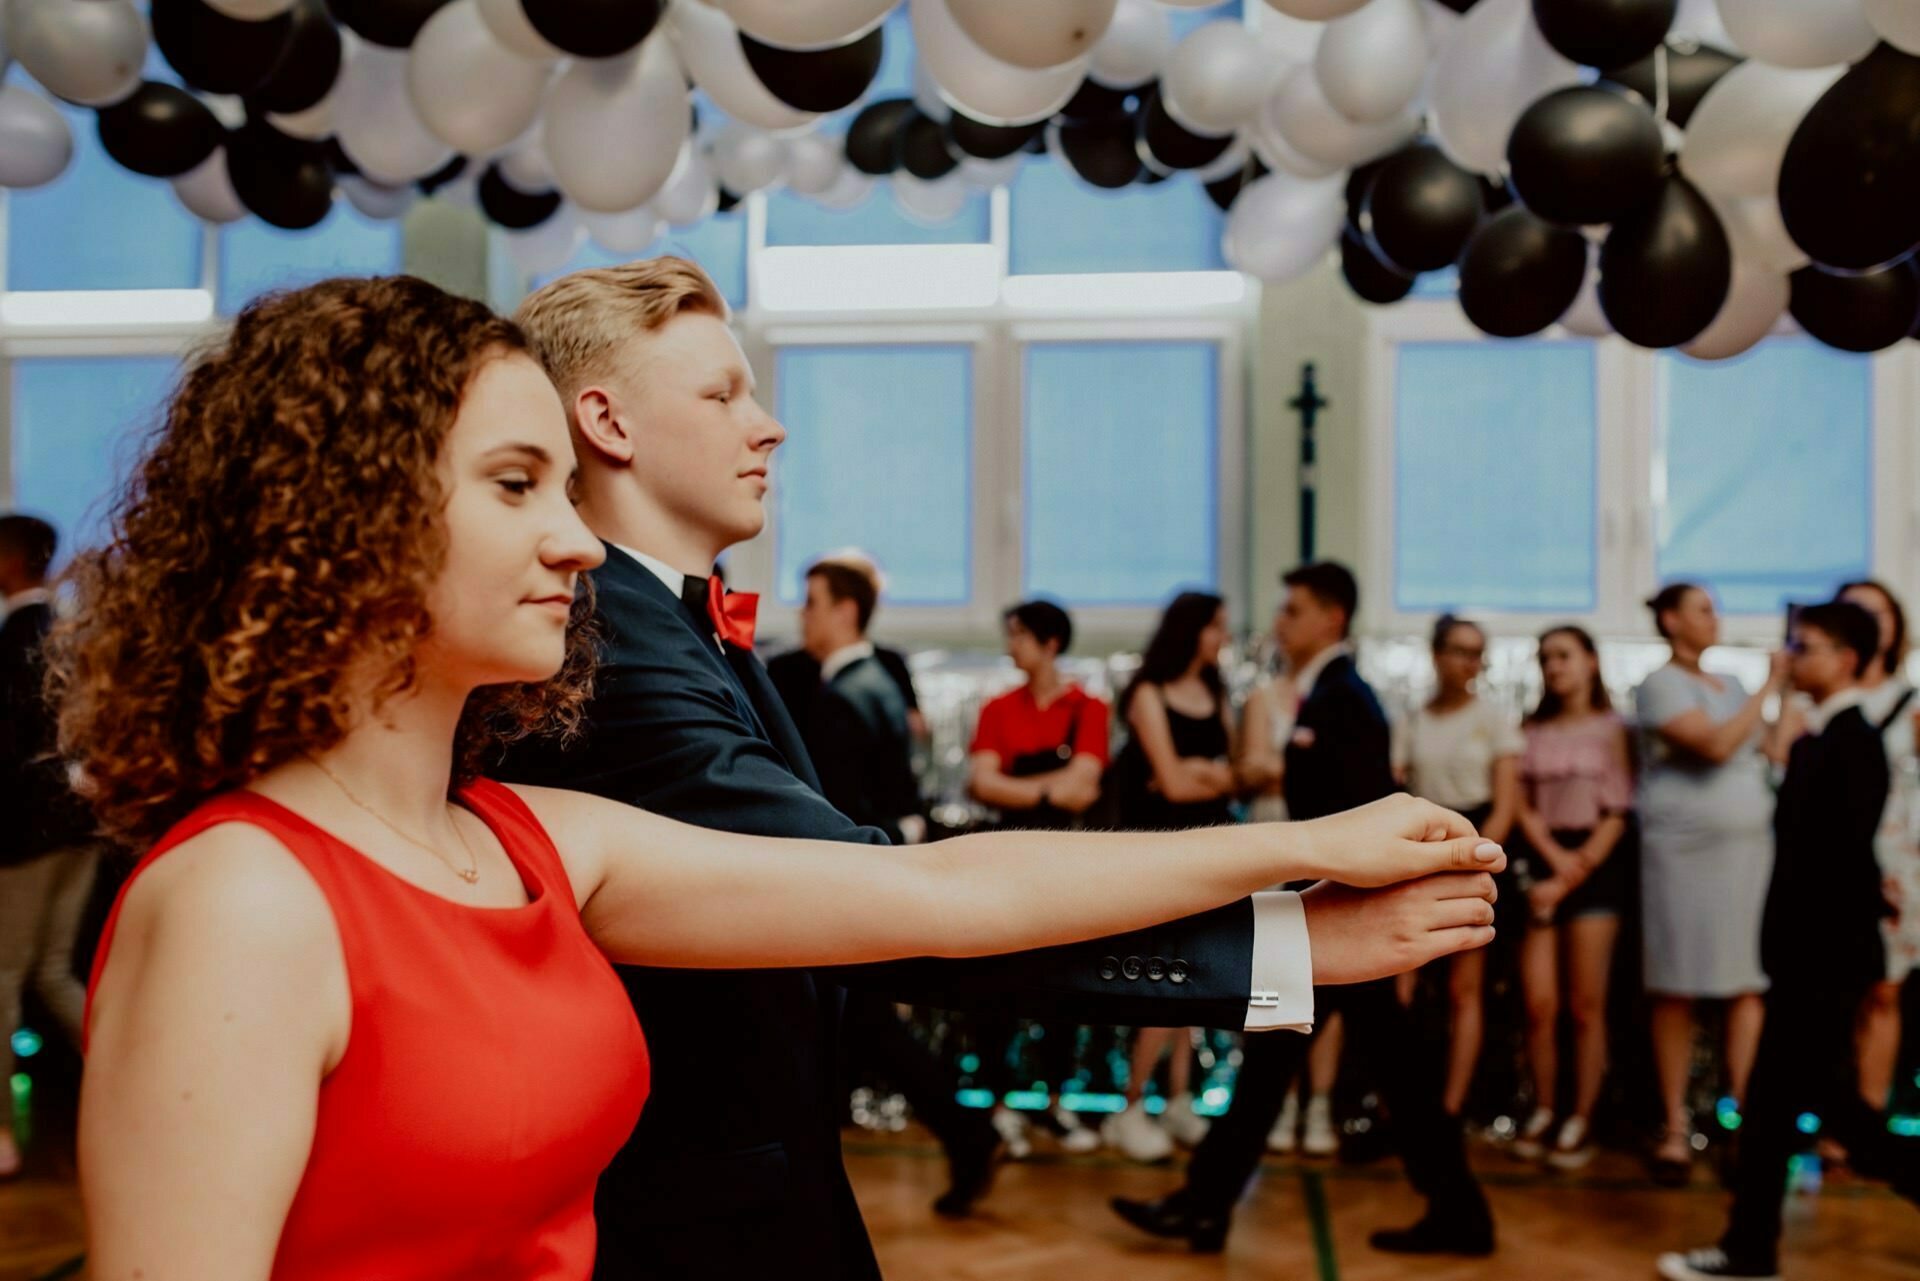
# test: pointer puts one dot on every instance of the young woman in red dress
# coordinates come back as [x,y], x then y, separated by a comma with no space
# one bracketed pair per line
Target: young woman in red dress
[353,1015]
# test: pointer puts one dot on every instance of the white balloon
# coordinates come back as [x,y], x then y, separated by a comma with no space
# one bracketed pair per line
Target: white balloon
[1317,10]
[1301,114]
[1277,153]
[1585,318]
[315,123]
[748,160]
[1232,160]
[1193,4]
[690,195]
[1897,21]
[36,144]
[206,189]
[814,163]
[1759,233]
[929,202]
[1699,20]
[710,46]
[852,189]
[615,126]
[507,19]
[926,94]
[382,204]
[471,91]
[1494,67]
[814,24]
[543,250]
[1755,302]
[1216,78]
[1282,226]
[1372,62]
[981,85]
[251,10]
[1799,33]
[89,53]
[1026,34]
[525,165]
[374,119]
[632,232]
[987,175]
[1739,133]
[1137,43]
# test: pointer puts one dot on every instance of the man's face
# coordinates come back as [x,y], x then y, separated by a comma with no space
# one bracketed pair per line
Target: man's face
[1306,625]
[1026,651]
[825,623]
[1821,665]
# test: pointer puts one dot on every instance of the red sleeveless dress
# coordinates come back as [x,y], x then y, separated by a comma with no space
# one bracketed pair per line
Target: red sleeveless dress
[493,1068]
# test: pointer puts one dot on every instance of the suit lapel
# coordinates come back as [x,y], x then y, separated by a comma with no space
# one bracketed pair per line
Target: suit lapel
[775,721]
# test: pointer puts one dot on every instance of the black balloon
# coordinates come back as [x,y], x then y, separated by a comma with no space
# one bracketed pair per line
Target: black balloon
[1224,191]
[1519,273]
[1459,6]
[1094,101]
[512,208]
[159,130]
[343,167]
[990,142]
[1689,76]
[1857,313]
[1421,208]
[393,23]
[1604,33]
[214,52]
[283,181]
[1584,155]
[1850,183]
[923,149]
[1374,281]
[1172,145]
[1495,195]
[817,79]
[439,177]
[592,28]
[306,71]
[1102,152]
[874,137]
[728,202]
[1359,183]
[1665,269]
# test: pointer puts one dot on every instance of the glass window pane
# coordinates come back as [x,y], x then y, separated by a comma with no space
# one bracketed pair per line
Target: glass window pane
[877,220]
[77,425]
[1186,20]
[1121,456]
[256,257]
[878,456]
[1495,477]
[1059,225]
[719,245]
[1768,467]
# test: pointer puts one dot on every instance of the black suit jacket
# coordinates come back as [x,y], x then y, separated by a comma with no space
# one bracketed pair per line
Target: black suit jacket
[41,812]
[855,730]
[796,677]
[734,1169]
[1824,905]
[1340,755]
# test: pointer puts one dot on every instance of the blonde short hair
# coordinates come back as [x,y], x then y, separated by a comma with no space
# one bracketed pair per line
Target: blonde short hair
[577,323]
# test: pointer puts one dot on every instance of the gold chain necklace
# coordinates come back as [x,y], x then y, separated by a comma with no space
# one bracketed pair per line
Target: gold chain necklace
[470,874]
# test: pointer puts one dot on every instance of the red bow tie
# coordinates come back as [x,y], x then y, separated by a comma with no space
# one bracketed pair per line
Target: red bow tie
[732,613]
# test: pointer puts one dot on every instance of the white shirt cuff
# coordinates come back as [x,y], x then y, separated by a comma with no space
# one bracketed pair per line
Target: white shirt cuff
[1281,991]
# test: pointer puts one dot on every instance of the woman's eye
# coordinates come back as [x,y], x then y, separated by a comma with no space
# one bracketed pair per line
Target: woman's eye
[518,486]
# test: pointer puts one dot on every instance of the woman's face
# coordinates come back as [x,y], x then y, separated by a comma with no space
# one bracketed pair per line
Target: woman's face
[1694,621]
[515,545]
[1565,665]
[1026,651]
[1460,658]
[1875,602]
[1212,637]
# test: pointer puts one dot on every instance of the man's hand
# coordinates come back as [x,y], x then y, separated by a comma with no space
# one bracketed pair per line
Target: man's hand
[1358,935]
[1395,839]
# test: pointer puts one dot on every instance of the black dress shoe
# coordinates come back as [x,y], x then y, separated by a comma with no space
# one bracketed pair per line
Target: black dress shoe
[1433,1235]
[971,1170]
[1173,1217]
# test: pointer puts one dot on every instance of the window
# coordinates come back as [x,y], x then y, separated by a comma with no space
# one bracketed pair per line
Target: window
[879,456]
[1495,477]
[255,257]
[77,424]
[1763,473]
[1060,225]
[719,245]
[877,220]
[1121,456]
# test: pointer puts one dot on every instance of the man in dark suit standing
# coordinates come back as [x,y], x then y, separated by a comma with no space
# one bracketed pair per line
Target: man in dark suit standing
[1339,758]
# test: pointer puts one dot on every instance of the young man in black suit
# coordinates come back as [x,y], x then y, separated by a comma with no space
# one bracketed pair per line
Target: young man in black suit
[1339,758]
[734,1170]
[1821,947]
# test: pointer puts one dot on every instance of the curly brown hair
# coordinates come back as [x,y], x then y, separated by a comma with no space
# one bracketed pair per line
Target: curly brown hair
[278,537]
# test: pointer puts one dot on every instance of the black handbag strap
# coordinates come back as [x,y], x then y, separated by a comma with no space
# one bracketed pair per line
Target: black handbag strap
[1894,715]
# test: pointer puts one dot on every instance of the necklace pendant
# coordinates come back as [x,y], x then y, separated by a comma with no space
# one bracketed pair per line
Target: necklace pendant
[468,874]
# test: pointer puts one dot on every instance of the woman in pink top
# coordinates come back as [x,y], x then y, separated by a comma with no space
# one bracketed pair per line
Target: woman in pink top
[1577,788]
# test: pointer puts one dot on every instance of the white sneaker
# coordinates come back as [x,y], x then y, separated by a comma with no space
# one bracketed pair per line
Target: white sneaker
[1320,1138]
[1012,1128]
[1574,1148]
[1707,1264]
[1075,1136]
[1135,1134]
[1284,1136]
[1531,1143]
[1180,1120]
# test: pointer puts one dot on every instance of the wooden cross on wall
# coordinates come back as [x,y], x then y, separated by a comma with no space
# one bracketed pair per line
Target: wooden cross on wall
[1308,405]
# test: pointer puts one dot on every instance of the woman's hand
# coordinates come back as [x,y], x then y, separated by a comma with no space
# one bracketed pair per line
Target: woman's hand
[1543,900]
[1359,935]
[1395,839]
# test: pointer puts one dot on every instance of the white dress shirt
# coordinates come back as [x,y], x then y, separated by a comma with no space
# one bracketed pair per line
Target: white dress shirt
[1821,715]
[843,658]
[1280,986]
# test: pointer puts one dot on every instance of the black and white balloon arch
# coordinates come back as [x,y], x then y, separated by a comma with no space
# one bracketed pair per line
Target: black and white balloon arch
[1732,162]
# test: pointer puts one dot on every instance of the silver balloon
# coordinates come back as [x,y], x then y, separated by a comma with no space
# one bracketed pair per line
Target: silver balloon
[815,24]
[933,202]
[1897,21]
[545,249]
[1759,233]
[981,85]
[1301,114]
[1034,35]
[614,126]
[472,92]
[1799,33]
[1216,78]
[1276,152]
[1739,133]
[747,160]
[926,94]
[374,119]
[1281,227]
[315,123]
[1495,66]
[851,190]
[632,232]
[382,204]
[251,10]
[710,47]
[525,167]
[814,163]
[206,190]
[507,19]
[36,144]
[1755,302]
[1317,10]
[1699,21]
[91,53]
[1135,47]
[1232,160]
[1372,62]
[690,195]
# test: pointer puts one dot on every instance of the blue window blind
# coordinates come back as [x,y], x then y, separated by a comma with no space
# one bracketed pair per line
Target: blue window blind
[1495,477]
[719,245]
[77,425]
[1768,468]
[256,257]
[1121,459]
[1061,225]
[879,456]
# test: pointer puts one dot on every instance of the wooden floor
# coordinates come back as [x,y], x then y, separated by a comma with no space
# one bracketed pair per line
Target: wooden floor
[1047,1220]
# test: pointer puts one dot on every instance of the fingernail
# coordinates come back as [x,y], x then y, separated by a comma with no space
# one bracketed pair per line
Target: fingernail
[1487,852]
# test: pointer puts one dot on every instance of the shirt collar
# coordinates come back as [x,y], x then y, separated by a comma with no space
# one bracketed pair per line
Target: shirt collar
[1823,713]
[1310,674]
[674,580]
[844,657]
[31,596]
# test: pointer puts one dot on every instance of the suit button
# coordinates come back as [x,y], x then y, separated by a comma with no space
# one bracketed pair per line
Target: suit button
[1177,972]
[1156,969]
[1109,967]
[1131,967]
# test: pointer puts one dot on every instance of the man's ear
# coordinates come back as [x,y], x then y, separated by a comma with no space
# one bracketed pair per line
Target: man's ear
[603,426]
